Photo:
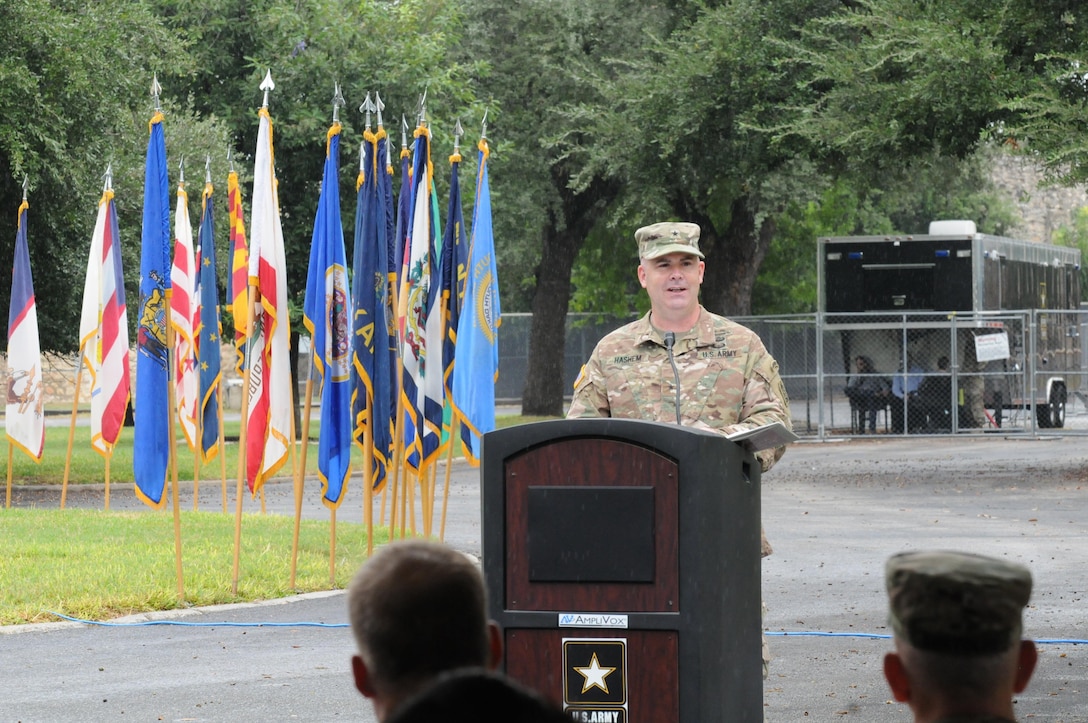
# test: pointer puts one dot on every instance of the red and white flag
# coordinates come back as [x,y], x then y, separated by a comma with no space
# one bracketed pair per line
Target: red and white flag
[269,424]
[103,330]
[183,309]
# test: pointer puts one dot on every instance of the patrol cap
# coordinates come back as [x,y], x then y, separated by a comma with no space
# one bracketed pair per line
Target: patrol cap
[666,238]
[956,602]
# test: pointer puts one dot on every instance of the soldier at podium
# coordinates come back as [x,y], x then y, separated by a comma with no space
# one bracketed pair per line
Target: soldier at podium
[680,363]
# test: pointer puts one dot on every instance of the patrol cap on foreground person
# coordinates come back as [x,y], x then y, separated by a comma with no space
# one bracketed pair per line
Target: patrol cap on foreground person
[958,620]
[666,238]
[956,602]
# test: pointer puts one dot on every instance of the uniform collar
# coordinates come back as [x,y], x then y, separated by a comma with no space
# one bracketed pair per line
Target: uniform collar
[702,334]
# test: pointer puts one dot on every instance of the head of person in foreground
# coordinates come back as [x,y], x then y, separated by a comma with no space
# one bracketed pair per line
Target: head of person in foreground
[957,620]
[417,609]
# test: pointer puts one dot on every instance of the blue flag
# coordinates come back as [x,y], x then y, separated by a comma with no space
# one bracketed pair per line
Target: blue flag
[152,412]
[209,330]
[327,311]
[386,211]
[477,348]
[371,370]
[454,257]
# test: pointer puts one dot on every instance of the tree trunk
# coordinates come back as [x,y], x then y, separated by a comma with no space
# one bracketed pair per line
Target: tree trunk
[733,259]
[543,394]
[562,240]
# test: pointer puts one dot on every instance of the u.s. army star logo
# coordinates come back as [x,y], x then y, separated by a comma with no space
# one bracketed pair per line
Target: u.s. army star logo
[595,675]
[595,672]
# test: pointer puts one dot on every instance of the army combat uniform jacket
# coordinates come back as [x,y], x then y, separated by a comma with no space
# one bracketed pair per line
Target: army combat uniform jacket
[728,380]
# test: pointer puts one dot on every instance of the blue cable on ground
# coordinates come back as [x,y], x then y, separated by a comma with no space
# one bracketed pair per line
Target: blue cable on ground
[782,634]
[883,636]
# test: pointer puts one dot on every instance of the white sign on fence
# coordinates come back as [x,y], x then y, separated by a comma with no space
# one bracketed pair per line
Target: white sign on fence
[992,347]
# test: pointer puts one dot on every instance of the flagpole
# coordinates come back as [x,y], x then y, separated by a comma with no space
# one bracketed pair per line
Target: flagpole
[171,401]
[449,469]
[242,442]
[368,486]
[198,453]
[301,470]
[222,445]
[402,475]
[11,461]
[71,434]
[106,475]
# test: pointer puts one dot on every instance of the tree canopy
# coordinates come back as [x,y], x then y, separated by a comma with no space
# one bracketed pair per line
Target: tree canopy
[765,122]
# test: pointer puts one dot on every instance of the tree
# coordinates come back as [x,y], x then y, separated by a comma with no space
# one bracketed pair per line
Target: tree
[70,79]
[538,54]
[684,126]
[891,80]
[399,49]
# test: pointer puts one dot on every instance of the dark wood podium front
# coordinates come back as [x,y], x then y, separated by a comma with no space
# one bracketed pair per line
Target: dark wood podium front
[622,561]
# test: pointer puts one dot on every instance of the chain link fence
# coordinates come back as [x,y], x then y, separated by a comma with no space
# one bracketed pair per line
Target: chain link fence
[921,373]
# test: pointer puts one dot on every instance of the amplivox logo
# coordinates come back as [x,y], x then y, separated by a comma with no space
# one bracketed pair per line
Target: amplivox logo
[592,620]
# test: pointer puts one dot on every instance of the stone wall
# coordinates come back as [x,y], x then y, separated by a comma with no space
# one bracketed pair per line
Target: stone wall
[59,378]
[1043,208]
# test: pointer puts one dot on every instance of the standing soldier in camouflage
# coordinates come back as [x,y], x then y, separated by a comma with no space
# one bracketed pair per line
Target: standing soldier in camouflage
[728,381]
[680,363]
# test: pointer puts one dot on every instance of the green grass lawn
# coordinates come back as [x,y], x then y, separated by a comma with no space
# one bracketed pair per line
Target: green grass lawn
[97,565]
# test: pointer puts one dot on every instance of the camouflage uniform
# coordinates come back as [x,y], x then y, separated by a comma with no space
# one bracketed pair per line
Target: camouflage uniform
[728,380]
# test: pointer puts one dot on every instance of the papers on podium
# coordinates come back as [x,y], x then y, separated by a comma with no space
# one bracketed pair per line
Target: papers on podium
[770,435]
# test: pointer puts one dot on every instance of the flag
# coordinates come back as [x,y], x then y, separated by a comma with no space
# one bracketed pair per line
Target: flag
[24,419]
[420,289]
[183,305]
[400,255]
[326,311]
[152,413]
[386,210]
[269,424]
[399,248]
[433,402]
[373,333]
[207,329]
[238,278]
[454,257]
[103,330]
[477,350]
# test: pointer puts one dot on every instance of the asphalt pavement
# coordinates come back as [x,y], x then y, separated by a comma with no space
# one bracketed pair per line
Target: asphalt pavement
[834,511]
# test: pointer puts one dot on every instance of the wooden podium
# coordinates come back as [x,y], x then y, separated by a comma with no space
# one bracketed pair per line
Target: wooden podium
[622,560]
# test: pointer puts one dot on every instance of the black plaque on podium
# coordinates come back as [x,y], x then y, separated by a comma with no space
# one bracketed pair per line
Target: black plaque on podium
[622,560]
